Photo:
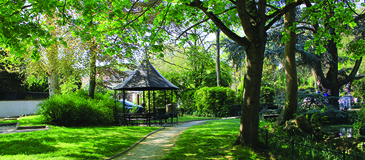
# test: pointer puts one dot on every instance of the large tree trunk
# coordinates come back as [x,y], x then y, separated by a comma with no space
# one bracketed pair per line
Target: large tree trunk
[53,83]
[332,74]
[92,82]
[291,99]
[248,134]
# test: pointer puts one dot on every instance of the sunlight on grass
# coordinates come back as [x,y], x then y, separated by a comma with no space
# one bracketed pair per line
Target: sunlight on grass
[69,142]
[212,140]
[192,118]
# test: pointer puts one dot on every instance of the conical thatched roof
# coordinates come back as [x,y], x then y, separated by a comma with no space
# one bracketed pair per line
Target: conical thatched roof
[145,78]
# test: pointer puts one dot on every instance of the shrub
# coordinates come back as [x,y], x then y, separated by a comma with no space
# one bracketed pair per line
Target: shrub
[77,109]
[359,89]
[334,116]
[214,101]
[267,95]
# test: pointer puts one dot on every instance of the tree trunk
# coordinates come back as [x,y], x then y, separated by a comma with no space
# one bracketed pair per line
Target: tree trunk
[248,134]
[291,99]
[92,82]
[332,74]
[53,83]
[217,60]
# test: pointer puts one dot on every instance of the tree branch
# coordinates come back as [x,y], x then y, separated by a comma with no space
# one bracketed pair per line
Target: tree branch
[306,28]
[17,12]
[273,7]
[162,22]
[351,8]
[351,76]
[219,23]
[130,10]
[149,7]
[202,22]
[278,14]
[232,1]
[174,64]
[192,27]
[313,61]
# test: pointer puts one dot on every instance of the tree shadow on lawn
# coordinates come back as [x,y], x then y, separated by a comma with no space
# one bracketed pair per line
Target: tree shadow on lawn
[104,142]
[27,147]
[78,142]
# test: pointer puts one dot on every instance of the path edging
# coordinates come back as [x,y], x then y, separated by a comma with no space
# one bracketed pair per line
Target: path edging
[134,145]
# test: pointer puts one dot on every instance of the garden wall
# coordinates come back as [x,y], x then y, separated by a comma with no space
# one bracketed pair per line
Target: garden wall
[18,107]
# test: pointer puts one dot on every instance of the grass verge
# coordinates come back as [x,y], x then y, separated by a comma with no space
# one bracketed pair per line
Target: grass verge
[68,142]
[213,140]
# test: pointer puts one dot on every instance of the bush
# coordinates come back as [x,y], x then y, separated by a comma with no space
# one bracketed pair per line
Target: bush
[359,89]
[214,101]
[335,117]
[77,109]
[267,95]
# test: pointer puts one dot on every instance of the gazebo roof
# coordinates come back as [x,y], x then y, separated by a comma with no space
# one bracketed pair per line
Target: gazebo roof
[145,78]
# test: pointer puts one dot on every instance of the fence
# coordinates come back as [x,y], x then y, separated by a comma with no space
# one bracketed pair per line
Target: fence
[18,107]
[303,151]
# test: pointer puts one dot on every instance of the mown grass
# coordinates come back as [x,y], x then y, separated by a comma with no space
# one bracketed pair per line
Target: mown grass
[213,140]
[68,142]
[186,118]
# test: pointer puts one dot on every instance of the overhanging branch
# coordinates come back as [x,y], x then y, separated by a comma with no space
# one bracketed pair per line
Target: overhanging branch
[241,41]
[279,13]
[351,76]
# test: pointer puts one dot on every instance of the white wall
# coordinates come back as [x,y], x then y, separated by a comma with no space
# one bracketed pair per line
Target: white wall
[18,107]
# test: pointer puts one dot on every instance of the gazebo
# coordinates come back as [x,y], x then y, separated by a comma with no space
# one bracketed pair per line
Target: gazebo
[146,78]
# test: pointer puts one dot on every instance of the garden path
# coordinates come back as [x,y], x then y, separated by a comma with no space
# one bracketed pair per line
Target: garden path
[158,144]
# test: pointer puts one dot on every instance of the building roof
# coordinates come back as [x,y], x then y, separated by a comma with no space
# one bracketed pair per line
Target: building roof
[145,78]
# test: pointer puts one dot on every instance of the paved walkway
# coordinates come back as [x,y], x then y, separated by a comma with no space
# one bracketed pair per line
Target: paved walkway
[158,144]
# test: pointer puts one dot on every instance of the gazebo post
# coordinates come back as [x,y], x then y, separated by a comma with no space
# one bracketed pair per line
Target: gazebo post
[145,107]
[149,105]
[172,108]
[165,97]
[124,107]
[144,99]
[154,104]
[149,101]
[115,108]
[177,112]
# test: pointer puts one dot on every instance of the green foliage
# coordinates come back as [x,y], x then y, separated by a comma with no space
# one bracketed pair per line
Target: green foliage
[336,23]
[334,116]
[267,95]
[359,124]
[359,89]
[69,84]
[214,101]
[192,68]
[134,109]
[240,91]
[77,109]
[37,85]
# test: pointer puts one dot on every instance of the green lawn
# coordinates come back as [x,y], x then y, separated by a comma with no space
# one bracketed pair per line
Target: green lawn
[68,142]
[192,118]
[212,140]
